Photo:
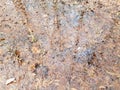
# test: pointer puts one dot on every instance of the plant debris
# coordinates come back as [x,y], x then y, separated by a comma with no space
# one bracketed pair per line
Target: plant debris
[9,81]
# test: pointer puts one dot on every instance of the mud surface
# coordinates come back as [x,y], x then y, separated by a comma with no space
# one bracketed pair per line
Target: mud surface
[59,44]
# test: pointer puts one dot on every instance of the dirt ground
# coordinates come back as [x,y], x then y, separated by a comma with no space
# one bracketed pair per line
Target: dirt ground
[59,44]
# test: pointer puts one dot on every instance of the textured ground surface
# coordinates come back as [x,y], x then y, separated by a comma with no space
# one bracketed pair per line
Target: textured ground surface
[60,44]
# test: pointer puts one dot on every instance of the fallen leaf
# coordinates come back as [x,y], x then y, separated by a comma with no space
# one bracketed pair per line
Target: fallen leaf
[2,39]
[17,53]
[102,87]
[11,80]
[35,50]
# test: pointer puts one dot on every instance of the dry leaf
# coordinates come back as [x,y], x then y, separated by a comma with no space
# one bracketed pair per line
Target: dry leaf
[35,50]
[17,53]
[10,81]
[101,87]
[2,39]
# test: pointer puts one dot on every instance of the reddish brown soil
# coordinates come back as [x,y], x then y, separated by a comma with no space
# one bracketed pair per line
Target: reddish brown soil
[60,44]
